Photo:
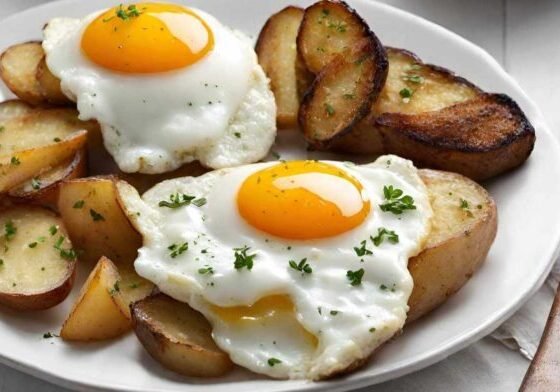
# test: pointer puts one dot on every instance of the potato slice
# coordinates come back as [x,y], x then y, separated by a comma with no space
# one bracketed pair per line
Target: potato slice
[50,85]
[329,29]
[43,189]
[463,230]
[276,49]
[37,265]
[98,226]
[18,69]
[100,312]
[178,337]
[479,138]
[341,95]
[13,108]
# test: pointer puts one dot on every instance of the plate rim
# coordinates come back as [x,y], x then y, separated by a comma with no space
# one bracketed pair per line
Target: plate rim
[428,358]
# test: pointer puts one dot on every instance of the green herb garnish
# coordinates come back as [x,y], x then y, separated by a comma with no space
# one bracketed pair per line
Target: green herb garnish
[395,201]
[303,266]
[382,233]
[79,204]
[178,249]
[362,250]
[273,361]
[10,230]
[207,270]
[329,109]
[179,200]
[406,93]
[355,277]
[242,259]
[96,216]
[15,161]
[35,183]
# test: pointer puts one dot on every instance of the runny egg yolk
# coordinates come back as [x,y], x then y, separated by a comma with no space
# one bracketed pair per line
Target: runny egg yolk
[302,200]
[147,38]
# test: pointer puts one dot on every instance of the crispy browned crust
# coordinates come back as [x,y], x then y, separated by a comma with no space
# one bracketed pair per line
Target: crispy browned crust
[49,85]
[479,138]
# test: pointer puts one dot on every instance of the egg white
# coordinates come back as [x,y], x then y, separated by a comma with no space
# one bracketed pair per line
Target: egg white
[219,110]
[348,321]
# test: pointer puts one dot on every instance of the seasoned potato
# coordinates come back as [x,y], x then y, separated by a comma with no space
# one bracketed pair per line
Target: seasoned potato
[100,312]
[50,85]
[43,189]
[277,52]
[178,337]
[37,262]
[479,138]
[98,226]
[18,69]
[13,108]
[341,95]
[463,229]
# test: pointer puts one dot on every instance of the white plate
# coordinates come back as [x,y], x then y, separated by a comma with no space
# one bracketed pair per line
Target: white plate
[527,242]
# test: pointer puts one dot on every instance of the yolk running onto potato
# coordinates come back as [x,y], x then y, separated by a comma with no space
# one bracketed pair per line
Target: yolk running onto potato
[147,38]
[302,200]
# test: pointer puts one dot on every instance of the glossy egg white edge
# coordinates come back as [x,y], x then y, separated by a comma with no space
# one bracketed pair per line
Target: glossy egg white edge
[349,322]
[149,122]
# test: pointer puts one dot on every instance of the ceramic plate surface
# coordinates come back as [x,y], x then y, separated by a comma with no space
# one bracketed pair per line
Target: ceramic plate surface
[526,245]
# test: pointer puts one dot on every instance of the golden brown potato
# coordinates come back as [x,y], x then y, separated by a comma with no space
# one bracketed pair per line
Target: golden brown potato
[37,261]
[100,312]
[50,85]
[178,337]
[43,189]
[98,226]
[479,138]
[13,108]
[341,95]
[277,52]
[329,29]
[18,69]
[463,230]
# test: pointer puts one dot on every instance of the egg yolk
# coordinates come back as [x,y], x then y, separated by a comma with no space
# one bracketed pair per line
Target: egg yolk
[302,200]
[147,38]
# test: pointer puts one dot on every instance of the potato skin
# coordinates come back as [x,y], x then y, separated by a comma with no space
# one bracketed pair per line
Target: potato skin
[456,250]
[18,67]
[178,353]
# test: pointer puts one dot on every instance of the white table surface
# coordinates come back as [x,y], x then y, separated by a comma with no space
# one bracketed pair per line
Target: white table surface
[523,35]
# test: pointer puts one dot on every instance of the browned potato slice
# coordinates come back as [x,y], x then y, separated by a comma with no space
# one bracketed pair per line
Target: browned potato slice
[43,189]
[479,138]
[50,85]
[329,29]
[341,95]
[178,337]
[13,108]
[463,229]
[37,263]
[100,312]
[98,226]
[23,165]
[304,78]
[276,49]
[18,68]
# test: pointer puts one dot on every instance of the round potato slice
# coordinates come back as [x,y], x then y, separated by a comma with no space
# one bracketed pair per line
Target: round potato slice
[178,337]
[37,262]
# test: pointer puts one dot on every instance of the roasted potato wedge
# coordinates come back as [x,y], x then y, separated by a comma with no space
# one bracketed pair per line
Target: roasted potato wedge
[341,95]
[463,229]
[329,29]
[18,69]
[37,263]
[98,226]
[13,108]
[100,312]
[43,189]
[277,52]
[178,337]
[50,85]
[479,138]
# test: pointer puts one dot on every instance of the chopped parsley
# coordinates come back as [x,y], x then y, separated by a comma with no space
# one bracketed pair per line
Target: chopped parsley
[53,230]
[57,140]
[116,288]
[33,245]
[35,183]
[179,200]
[242,259]
[178,249]
[67,254]
[79,204]
[396,202]
[2,128]
[349,96]
[237,135]
[207,270]
[49,335]
[329,109]
[406,93]
[383,287]
[1,262]
[303,266]
[273,361]
[96,216]
[383,233]
[338,26]
[334,312]
[372,329]
[464,204]
[362,250]
[355,277]
[414,79]
[15,161]
[10,230]
[124,13]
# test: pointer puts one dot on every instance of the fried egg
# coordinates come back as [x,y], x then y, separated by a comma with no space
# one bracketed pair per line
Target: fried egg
[168,85]
[300,266]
